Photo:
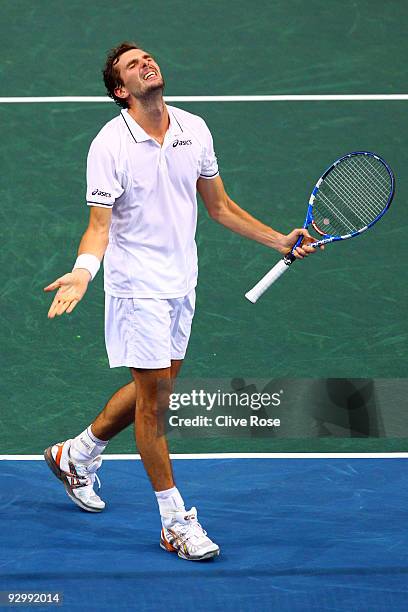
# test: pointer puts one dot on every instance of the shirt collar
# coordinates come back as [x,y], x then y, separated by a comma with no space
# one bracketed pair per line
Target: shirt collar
[138,133]
[175,128]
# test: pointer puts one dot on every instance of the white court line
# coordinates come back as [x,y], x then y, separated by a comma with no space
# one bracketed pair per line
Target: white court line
[397,455]
[271,98]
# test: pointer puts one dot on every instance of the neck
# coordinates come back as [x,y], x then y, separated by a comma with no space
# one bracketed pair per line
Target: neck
[151,114]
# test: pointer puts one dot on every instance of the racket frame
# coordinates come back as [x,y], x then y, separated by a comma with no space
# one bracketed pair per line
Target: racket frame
[327,238]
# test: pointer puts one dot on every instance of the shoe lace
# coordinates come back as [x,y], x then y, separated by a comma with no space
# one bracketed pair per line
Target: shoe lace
[190,530]
[86,474]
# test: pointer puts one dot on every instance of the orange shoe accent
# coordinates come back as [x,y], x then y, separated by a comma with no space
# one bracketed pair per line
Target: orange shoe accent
[167,544]
[59,453]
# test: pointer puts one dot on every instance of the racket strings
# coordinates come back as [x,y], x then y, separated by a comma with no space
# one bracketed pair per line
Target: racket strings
[341,189]
[335,215]
[374,188]
[329,218]
[342,215]
[362,175]
[359,183]
[380,178]
[366,169]
[352,195]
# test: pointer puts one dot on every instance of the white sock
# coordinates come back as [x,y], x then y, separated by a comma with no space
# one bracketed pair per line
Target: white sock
[170,502]
[86,446]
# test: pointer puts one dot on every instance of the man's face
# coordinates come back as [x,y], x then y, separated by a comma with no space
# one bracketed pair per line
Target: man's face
[140,74]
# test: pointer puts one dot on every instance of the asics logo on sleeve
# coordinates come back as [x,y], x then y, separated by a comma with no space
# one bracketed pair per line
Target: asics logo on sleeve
[103,194]
[181,142]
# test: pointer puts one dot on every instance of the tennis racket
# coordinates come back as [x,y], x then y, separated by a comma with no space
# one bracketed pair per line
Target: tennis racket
[349,197]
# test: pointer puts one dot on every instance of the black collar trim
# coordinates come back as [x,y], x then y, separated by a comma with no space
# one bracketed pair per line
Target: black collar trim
[173,115]
[127,125]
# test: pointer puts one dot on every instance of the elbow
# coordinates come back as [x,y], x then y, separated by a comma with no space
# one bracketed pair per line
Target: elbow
[215,214]
[220,211]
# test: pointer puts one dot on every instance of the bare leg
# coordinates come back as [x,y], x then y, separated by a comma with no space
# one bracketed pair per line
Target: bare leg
[149,424]
[119,412]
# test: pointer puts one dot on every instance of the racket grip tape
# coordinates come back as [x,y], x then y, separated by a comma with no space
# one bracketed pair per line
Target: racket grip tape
[270,277]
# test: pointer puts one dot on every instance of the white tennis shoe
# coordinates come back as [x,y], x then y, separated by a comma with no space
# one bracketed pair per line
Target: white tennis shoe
[185,536]
[77,478]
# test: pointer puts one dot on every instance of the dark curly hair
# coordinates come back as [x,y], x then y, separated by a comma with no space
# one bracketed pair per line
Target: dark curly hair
[111,76]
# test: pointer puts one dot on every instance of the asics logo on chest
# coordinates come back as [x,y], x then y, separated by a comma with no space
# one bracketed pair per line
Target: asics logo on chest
[181,142]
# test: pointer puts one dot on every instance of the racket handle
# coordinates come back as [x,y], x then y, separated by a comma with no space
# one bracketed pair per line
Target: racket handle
[270,277]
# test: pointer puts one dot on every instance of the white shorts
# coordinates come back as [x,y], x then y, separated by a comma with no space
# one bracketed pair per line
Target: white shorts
[147,332]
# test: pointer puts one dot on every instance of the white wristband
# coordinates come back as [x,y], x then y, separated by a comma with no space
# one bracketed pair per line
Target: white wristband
[88,262]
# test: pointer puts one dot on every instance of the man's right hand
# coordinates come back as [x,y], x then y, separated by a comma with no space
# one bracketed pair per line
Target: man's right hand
[71,289]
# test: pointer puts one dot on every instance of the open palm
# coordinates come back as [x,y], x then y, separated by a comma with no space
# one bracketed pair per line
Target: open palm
[71,289]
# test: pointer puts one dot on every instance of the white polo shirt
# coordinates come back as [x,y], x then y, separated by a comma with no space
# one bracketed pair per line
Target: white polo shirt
[152,192]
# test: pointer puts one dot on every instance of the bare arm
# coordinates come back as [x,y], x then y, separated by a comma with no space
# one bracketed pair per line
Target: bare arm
[222,209]
[72,286]
[96,236]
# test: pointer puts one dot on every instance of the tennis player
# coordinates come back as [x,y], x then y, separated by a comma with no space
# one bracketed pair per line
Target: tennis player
[144,169]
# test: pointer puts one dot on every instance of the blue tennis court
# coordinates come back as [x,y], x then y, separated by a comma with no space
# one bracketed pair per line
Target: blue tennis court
[295,535]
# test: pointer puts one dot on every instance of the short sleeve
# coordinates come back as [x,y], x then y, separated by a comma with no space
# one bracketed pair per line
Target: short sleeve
[103,184]
[209,165]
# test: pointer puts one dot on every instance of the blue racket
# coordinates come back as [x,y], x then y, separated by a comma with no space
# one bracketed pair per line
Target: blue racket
[349,198]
